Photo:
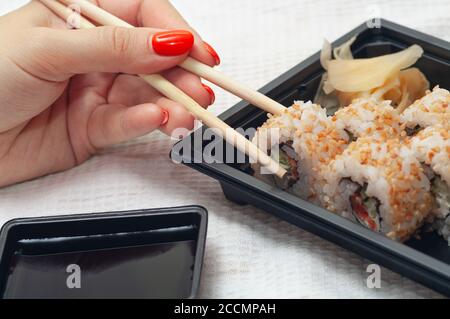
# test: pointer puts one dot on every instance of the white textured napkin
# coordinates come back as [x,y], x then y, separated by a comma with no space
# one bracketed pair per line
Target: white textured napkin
[248,252]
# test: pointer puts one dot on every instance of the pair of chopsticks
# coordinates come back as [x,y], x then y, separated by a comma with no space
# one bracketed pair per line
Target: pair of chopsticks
[169,90]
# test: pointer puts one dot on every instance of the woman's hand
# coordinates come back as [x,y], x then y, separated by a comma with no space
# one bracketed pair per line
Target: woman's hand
[64,94]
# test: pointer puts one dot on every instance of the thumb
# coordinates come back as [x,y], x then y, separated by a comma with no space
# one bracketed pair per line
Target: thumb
[56,55]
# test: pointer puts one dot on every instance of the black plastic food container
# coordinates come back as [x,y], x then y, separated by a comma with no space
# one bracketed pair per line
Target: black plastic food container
[145,254]
[426,261]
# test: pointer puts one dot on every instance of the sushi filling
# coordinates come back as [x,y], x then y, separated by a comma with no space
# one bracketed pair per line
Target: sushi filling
[351,136]
[412,131]
[365,209]
[441,192]
[289,161]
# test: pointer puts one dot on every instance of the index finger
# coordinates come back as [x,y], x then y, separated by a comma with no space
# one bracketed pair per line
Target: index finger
[161,14]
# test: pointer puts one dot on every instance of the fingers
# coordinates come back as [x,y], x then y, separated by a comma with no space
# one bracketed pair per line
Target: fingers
[192,85]
[159,14]
[119,92]
[56,55]
[179,117]
[162,13]
[110,124]
[114,123]
[33,14]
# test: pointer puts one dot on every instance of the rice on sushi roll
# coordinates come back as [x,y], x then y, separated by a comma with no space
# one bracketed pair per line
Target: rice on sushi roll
[276,136]
[432,109]
[382,185]
[369,117]
[317,142]
[432,148]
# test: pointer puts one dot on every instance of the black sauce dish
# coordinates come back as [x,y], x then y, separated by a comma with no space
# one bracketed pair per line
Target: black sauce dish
[145,254]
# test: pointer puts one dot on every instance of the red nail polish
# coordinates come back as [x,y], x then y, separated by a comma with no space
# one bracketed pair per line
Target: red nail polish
[213,52]
[165,117]
[171,43]
[211,93]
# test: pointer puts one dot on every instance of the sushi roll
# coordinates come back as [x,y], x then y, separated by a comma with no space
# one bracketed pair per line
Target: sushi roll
[276,136]
[307,142]
[382,185]
[368,117]
[432,148]
[430,110]
[317,142]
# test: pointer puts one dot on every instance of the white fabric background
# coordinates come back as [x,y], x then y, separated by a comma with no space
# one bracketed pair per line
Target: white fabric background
[249,253]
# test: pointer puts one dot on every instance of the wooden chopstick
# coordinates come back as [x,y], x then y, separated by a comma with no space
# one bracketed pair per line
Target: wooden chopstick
[256,98]
[174,93]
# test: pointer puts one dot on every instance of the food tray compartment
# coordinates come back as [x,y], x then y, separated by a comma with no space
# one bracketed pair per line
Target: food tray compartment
[426,261]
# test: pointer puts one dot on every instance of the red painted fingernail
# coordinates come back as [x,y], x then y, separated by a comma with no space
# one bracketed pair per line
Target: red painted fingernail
[213,52]
[171,43]
[211,93]
[165,117]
